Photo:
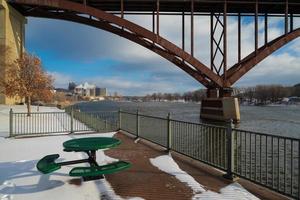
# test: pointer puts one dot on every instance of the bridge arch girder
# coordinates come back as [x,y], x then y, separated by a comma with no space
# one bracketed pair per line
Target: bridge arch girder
[249,62]
[131,31]
[118,31]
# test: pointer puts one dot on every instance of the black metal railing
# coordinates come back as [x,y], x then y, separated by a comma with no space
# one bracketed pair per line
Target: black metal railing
[69,121]
[272,161]
[269,160]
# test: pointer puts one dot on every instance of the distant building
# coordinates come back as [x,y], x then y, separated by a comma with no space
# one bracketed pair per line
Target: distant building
[101,92]
[85,90]
[72,86]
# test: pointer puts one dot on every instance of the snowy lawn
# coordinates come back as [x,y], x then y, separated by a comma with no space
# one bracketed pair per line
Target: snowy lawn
[19,178]
[233,191]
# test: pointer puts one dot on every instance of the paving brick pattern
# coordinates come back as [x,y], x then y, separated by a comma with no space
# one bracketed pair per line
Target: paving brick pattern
[148,182]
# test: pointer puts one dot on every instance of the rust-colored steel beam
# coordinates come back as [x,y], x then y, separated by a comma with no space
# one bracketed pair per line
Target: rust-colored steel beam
[286,17]
[183,31]
[134,28]
[203,6]
[240,69]
[122,9]
[192,27]
[153,22]
[266,28]
[225,43]
[218,41]
[239,38]
[120,32]
[256,26]
[291,22]
[211,41]
[157,18]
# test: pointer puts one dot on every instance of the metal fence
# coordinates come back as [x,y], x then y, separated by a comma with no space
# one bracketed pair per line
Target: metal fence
[61,122]
[96,121]
[271,161]
[268,160]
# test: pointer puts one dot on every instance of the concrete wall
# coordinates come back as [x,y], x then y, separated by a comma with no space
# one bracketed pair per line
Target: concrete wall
[12,35]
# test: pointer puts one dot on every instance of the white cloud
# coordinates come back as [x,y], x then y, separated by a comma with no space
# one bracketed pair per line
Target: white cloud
[86,44]
[125,85]
[60,80]
[276,69]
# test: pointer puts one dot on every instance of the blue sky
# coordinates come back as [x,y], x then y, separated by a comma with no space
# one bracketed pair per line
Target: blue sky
[75,52]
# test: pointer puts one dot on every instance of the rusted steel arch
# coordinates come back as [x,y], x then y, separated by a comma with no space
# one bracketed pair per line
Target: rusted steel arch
[249,62]
[137,31]
[118,31]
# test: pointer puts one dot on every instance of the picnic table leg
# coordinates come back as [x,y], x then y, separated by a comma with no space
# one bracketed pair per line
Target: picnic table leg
[93,154]
[93,162]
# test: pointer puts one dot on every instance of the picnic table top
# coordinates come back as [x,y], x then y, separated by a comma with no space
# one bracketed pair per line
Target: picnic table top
[90,144]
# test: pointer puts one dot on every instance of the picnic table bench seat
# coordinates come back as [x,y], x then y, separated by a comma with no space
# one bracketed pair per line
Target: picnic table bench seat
[47,165]
[99,170]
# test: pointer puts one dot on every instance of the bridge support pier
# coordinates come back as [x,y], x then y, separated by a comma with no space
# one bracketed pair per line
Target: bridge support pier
[220,106]
[12,37]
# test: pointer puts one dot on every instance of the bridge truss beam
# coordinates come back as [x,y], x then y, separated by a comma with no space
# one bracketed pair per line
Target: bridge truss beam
[218,74]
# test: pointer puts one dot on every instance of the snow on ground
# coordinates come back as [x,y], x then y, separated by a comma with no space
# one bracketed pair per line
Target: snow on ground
[233,191]
[19,178]
[168,165]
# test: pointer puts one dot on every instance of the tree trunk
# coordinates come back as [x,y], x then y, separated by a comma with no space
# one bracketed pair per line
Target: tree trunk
[29,106]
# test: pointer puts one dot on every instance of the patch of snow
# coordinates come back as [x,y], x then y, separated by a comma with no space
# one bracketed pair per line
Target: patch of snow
[110,134]
[233,191]
[106,191]
[19,178]
[103,159]
[166,164]
[137,140]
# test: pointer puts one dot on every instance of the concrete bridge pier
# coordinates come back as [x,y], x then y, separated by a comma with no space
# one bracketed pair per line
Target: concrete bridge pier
[220,106]
[12,39]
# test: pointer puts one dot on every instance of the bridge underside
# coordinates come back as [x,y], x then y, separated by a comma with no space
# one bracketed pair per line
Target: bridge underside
[109,16]
[177,6]
[218,77]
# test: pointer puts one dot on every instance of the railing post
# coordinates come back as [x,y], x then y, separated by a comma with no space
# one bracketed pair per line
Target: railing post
[72,120]
[137,123]
[169,139]
[120,119]
[105,121]
[11,123]
[230,153]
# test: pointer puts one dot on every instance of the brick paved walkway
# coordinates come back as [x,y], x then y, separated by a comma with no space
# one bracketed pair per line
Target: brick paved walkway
[146,181]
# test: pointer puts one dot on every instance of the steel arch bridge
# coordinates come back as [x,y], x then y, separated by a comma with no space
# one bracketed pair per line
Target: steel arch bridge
[111,16]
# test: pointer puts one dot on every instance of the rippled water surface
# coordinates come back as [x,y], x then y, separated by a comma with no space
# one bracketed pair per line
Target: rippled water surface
[277,120]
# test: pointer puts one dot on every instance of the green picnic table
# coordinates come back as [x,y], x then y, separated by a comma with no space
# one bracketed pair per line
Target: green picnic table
[89,146]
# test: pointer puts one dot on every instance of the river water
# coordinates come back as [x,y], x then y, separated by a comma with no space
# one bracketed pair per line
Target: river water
[277,120]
